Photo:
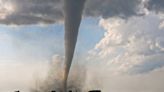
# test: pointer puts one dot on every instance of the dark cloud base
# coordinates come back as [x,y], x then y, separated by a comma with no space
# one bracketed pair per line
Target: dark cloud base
[51,11]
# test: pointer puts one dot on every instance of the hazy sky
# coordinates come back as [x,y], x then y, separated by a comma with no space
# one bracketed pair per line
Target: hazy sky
[120,43]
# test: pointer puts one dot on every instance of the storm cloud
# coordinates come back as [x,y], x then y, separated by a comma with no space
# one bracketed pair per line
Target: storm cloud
[110,8]
[30,11]
[156,5]
[24,12]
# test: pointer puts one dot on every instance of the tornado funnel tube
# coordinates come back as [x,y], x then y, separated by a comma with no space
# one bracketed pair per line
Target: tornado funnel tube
[73,14]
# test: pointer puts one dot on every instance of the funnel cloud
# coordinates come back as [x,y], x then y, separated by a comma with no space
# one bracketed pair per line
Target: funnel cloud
[73,13]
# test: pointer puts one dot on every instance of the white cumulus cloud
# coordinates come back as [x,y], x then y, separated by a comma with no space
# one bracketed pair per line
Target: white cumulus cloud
[133,45]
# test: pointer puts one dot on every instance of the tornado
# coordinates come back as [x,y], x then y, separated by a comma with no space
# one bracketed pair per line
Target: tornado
[73,14]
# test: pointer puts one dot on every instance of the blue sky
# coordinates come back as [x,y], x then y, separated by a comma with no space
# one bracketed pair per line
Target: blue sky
[35,41]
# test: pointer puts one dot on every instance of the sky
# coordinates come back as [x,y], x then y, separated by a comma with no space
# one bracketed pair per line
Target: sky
[35,45]
[120,44]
